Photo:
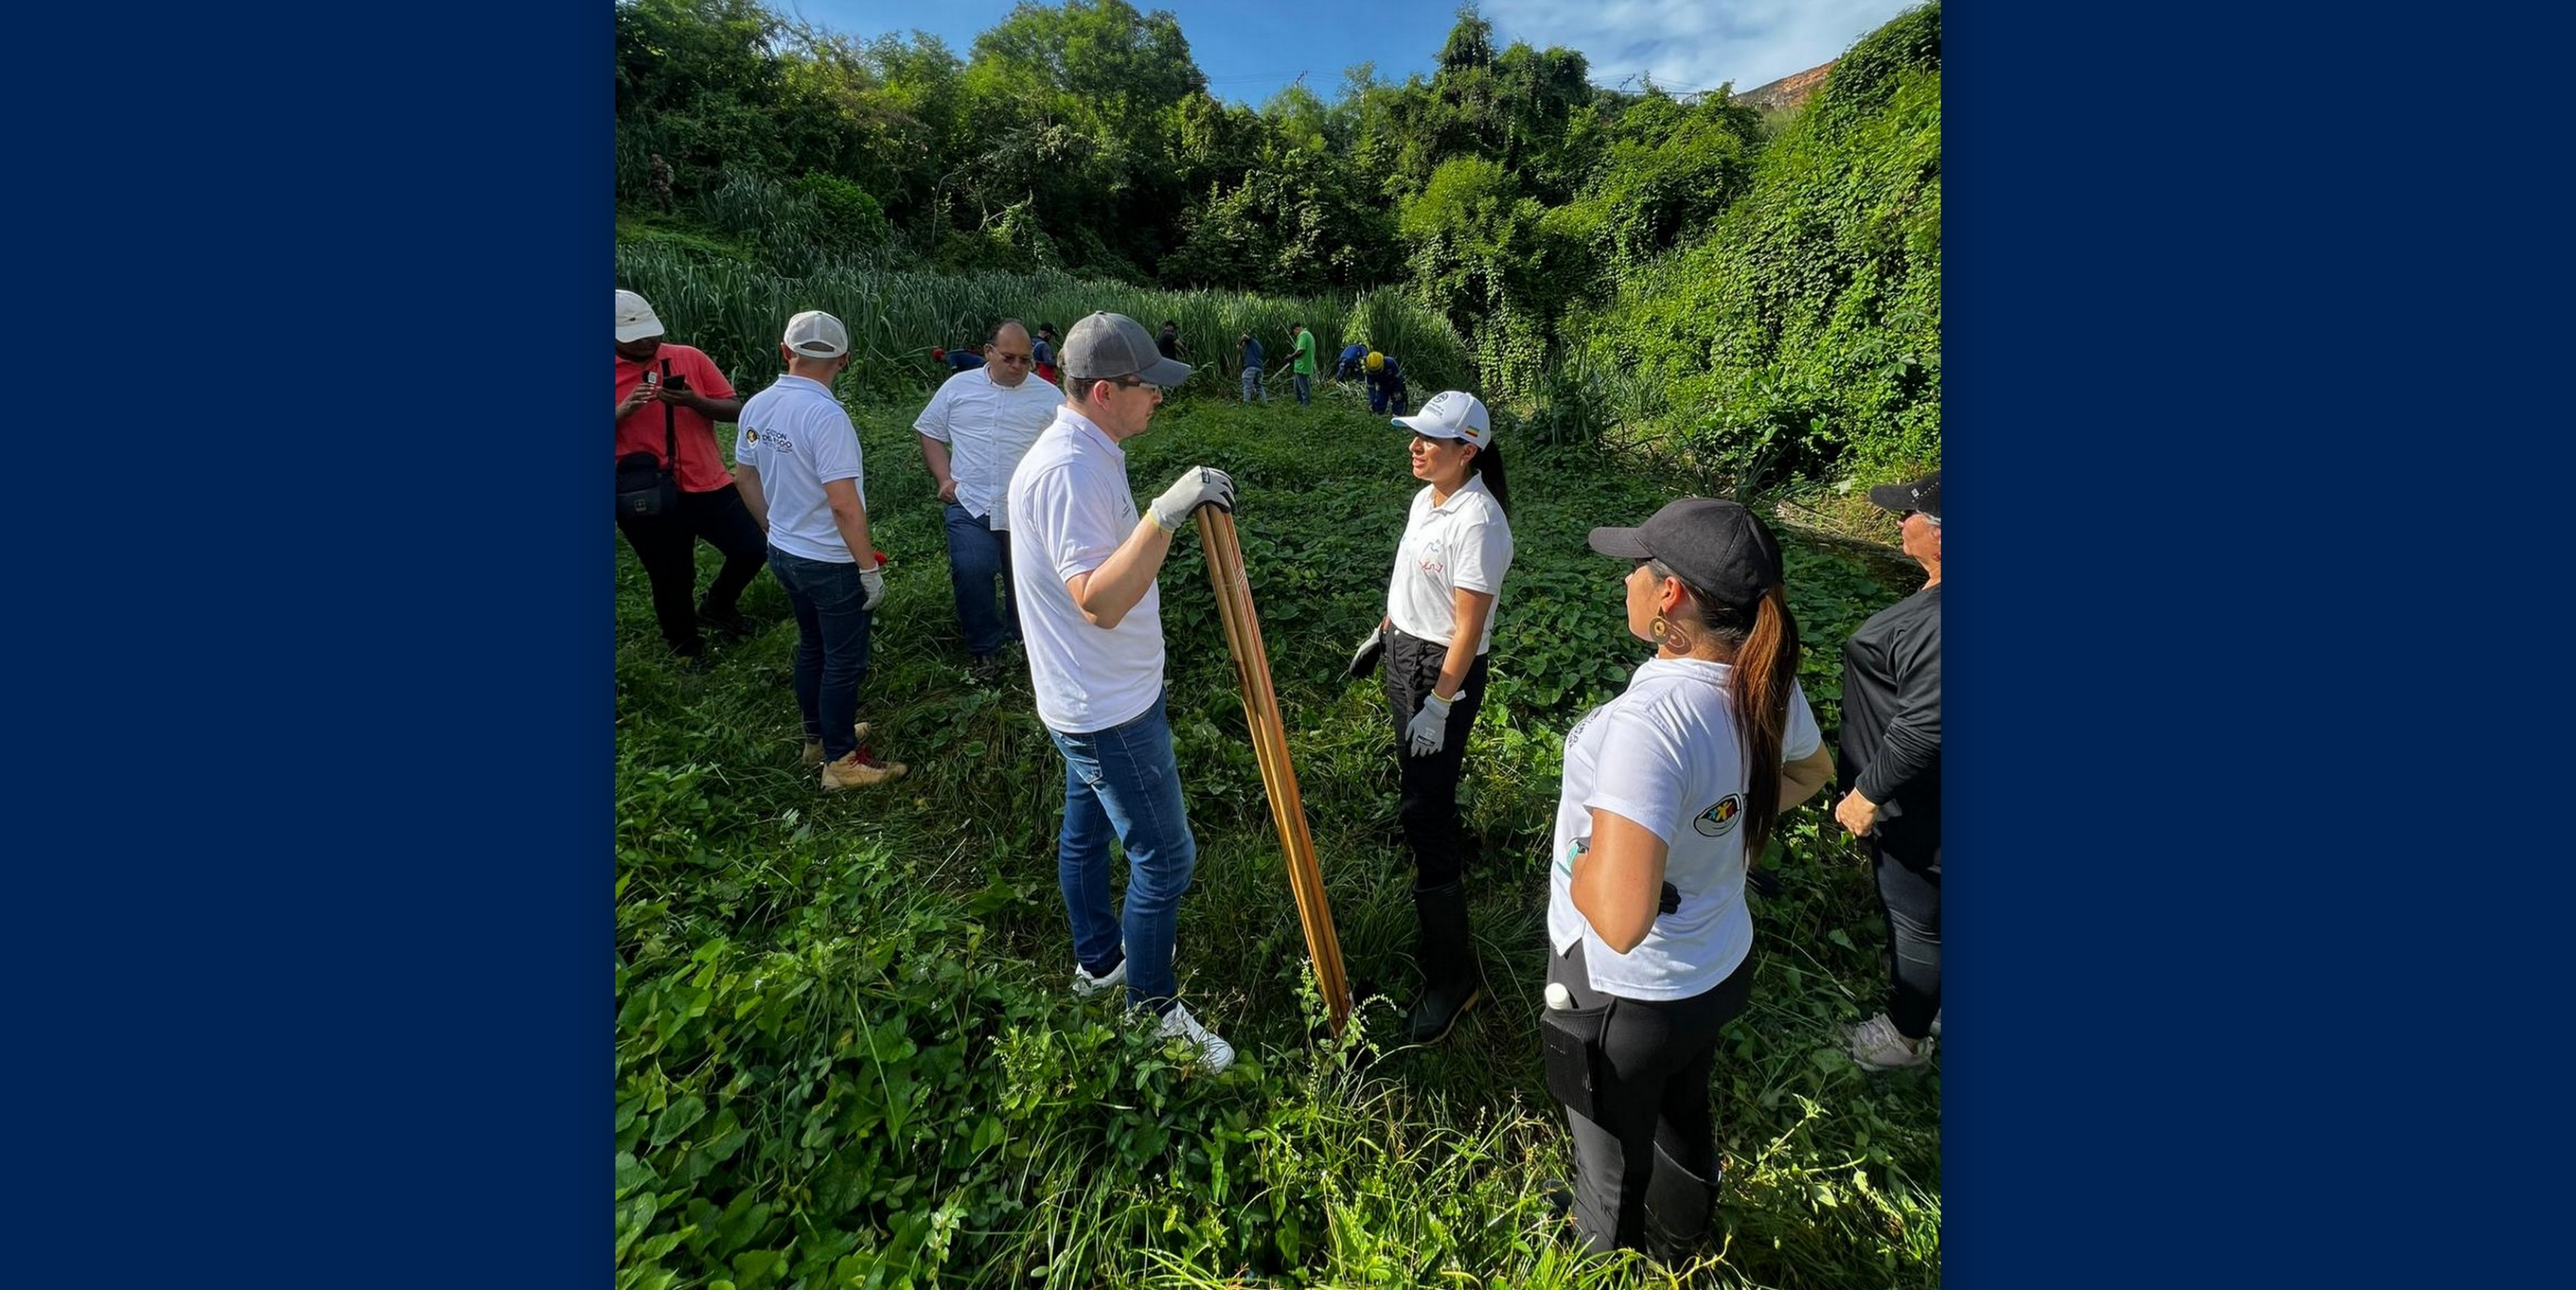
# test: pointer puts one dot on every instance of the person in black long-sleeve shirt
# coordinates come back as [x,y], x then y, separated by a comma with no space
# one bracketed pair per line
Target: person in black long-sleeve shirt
[1891,764]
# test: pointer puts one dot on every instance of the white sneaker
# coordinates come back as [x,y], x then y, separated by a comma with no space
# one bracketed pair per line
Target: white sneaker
[1214,1053]
[1876,1045]
[1086,985]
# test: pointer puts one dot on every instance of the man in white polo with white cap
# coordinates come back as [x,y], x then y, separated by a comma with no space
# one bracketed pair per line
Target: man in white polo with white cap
[1085,560]
[797,457]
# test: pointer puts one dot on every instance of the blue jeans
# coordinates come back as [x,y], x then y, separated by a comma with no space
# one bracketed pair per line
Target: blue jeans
[977,555]
[1124,782]
[1305,385]
[1384,398]
[831,645]
[1252,385]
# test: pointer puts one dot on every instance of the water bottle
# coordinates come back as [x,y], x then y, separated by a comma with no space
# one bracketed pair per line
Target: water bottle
[1558,997]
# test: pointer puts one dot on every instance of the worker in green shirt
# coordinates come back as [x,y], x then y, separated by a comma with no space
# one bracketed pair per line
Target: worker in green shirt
[1302,372]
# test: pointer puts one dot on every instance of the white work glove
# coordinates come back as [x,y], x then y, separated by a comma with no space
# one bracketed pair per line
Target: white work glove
[1429,729]
[873,582]
[1198,486]
[1364,659]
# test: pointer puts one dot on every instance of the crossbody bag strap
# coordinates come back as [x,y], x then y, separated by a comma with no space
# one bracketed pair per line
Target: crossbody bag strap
[670,425]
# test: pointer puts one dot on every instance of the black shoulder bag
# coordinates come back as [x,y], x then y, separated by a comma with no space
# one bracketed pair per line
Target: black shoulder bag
[647,487]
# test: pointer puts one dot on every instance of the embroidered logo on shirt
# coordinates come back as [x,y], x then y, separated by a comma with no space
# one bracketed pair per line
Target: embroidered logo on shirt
[1717,821]
[750,435]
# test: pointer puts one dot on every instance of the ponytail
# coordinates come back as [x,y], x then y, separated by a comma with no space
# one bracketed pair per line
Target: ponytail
[1764,642]
[1766,670]
[1488,465]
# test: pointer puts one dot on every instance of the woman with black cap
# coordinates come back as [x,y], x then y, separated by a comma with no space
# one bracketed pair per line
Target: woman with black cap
[1439,622]
[1668,789]
[1892,766]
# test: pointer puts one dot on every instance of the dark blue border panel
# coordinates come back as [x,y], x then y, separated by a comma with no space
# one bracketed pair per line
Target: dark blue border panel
[312,905]
[2227,413]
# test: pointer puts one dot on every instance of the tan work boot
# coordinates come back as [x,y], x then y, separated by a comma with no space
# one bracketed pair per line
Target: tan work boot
[854,772]
[814,747]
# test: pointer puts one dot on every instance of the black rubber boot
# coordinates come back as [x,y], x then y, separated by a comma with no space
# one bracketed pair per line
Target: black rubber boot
[1679,1205]
[1451,981]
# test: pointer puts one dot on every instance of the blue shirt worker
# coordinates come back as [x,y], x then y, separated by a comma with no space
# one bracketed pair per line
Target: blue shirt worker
[1252,386]
[1385,383]
[1347,367]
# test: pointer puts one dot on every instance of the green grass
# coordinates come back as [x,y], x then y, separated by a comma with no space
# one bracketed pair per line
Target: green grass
[845,1055]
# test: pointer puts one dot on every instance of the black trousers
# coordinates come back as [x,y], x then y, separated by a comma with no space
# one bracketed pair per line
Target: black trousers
[667,547]
[1909,888]
[1645,1168]
[1430,784]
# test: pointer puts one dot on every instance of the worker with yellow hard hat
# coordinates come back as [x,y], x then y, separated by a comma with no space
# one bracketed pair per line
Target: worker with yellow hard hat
[1386,389]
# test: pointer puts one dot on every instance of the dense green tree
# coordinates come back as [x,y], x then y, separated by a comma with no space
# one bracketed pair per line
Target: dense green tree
[1772,284]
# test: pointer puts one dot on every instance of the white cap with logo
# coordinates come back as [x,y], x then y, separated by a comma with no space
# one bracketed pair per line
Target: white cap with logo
[1452,414]
[815,334]
[635,318]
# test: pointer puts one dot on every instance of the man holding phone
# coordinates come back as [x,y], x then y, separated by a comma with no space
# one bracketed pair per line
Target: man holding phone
[669,397]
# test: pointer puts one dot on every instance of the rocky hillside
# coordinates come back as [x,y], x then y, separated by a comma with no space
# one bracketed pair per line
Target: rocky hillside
[1787,92]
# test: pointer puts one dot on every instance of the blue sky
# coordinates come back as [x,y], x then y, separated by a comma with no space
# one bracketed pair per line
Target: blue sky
[1250,49]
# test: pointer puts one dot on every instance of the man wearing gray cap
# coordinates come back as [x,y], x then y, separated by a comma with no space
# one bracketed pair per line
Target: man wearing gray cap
[1091,615]
[798,459]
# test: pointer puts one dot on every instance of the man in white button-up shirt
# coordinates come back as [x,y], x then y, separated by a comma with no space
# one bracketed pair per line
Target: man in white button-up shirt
[973,434]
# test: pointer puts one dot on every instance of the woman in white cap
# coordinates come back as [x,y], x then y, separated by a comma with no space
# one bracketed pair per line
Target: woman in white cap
[1439,622]
[1668,789]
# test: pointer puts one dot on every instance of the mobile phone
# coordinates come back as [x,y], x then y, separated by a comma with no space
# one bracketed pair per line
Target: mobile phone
[678,381]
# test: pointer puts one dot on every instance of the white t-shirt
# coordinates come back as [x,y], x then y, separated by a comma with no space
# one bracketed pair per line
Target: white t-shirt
[987,430]
[1664,754]
[1072,511]
[1464,543]
[798,437]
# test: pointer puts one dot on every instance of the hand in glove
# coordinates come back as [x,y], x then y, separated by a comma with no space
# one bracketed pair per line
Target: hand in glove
[872,581]
[1429,729]
[1364,661]
[1198,486]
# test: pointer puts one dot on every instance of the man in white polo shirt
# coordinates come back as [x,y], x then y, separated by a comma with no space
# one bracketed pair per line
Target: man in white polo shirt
[797,458]
[1092,615]
[973,434]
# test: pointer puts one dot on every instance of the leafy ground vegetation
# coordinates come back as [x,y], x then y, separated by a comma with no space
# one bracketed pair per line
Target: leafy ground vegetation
[845,1051]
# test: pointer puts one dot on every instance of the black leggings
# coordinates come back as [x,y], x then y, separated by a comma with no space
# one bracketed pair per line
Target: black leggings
[1645,1170]
[1909,888]
[1430,784]
[667,547]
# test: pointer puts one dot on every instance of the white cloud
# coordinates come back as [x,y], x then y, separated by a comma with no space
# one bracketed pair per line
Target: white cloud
[1693,44]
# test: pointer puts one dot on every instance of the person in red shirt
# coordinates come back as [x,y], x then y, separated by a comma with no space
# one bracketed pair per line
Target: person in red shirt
[686,395]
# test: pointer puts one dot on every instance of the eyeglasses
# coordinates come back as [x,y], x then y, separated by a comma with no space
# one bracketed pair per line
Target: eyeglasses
[1135,382]
[1015,360]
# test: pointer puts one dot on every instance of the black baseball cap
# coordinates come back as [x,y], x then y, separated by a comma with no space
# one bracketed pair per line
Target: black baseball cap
[1922,495]
[1712,545]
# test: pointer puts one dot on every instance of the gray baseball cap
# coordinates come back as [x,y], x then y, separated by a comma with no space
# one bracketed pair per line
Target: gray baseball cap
[1104,347]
